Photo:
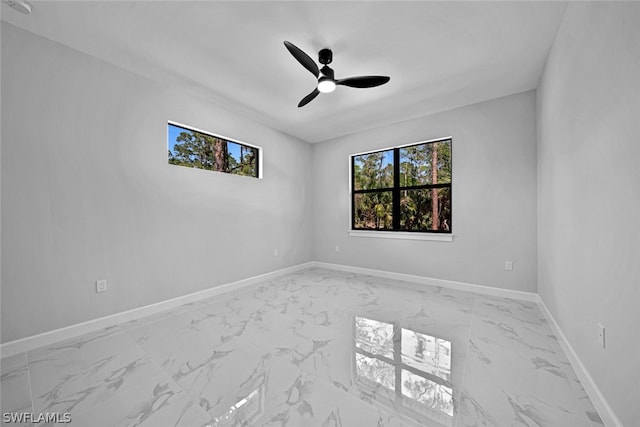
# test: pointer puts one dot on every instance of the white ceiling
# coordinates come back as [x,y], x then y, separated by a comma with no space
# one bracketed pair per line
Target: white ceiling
[440,55]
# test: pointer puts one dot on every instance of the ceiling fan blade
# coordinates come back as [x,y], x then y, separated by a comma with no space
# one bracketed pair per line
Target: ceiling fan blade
[363,81]
[303,58]
[309,98]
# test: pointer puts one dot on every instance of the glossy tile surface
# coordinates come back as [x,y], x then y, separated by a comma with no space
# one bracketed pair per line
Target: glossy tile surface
[314,348]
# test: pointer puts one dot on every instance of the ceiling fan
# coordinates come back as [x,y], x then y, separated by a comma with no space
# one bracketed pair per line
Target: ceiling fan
[326,80]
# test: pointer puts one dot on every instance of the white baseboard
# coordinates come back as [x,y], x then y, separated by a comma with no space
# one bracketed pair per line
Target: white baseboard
[605,411]
[50,337]
[469,287]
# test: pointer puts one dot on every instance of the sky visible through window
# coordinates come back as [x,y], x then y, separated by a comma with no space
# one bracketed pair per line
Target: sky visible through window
[174,131]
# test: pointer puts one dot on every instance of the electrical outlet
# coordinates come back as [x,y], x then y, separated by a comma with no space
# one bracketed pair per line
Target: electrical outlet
[275,252]
[508,265]
[601,336]
[337,248]
[101,286]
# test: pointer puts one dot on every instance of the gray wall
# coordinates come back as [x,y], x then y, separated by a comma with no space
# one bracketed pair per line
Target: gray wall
[87,193]
[589,193]
[494,197]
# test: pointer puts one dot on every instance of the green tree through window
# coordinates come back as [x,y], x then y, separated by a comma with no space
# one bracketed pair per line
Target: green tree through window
[403,189]
[195,149]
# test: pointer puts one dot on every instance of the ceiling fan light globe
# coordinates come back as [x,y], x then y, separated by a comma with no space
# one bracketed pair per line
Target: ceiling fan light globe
[326,85]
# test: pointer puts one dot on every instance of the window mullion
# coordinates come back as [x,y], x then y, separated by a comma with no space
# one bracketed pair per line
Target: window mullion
[425,186]
[374,190]
[396,191]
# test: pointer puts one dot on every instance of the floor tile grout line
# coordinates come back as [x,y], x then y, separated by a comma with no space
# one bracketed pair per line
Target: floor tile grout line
[187,392]
[151,360]
[466,361]
[33,405]
[107,336]
[168,374]
[567,369]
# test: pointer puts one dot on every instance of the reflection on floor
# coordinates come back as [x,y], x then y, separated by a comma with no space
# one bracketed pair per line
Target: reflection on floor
[313,348]
[413,369]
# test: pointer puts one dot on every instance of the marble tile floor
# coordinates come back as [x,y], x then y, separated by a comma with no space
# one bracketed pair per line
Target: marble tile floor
[313,348]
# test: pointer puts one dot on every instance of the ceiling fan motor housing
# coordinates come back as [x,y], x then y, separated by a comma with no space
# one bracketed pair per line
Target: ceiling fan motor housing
[325,56]
[327,72]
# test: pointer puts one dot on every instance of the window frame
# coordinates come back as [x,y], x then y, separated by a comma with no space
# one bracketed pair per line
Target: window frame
[226,139]
[396,232]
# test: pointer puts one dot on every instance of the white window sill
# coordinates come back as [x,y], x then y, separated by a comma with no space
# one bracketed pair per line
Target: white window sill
[440,237]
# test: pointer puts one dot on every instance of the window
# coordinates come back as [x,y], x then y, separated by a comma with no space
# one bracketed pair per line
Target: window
[404,188]
[196,149]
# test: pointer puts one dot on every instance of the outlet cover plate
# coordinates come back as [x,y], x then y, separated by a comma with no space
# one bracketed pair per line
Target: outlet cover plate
[101,286]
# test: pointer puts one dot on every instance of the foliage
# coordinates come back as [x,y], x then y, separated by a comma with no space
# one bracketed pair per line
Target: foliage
[198,150]
[428,207]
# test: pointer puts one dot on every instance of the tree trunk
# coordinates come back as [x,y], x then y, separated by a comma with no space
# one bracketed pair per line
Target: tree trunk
[220,155]
[435,219]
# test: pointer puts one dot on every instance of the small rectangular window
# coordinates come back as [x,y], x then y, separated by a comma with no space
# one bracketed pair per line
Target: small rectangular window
[406,188]
[196,149]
